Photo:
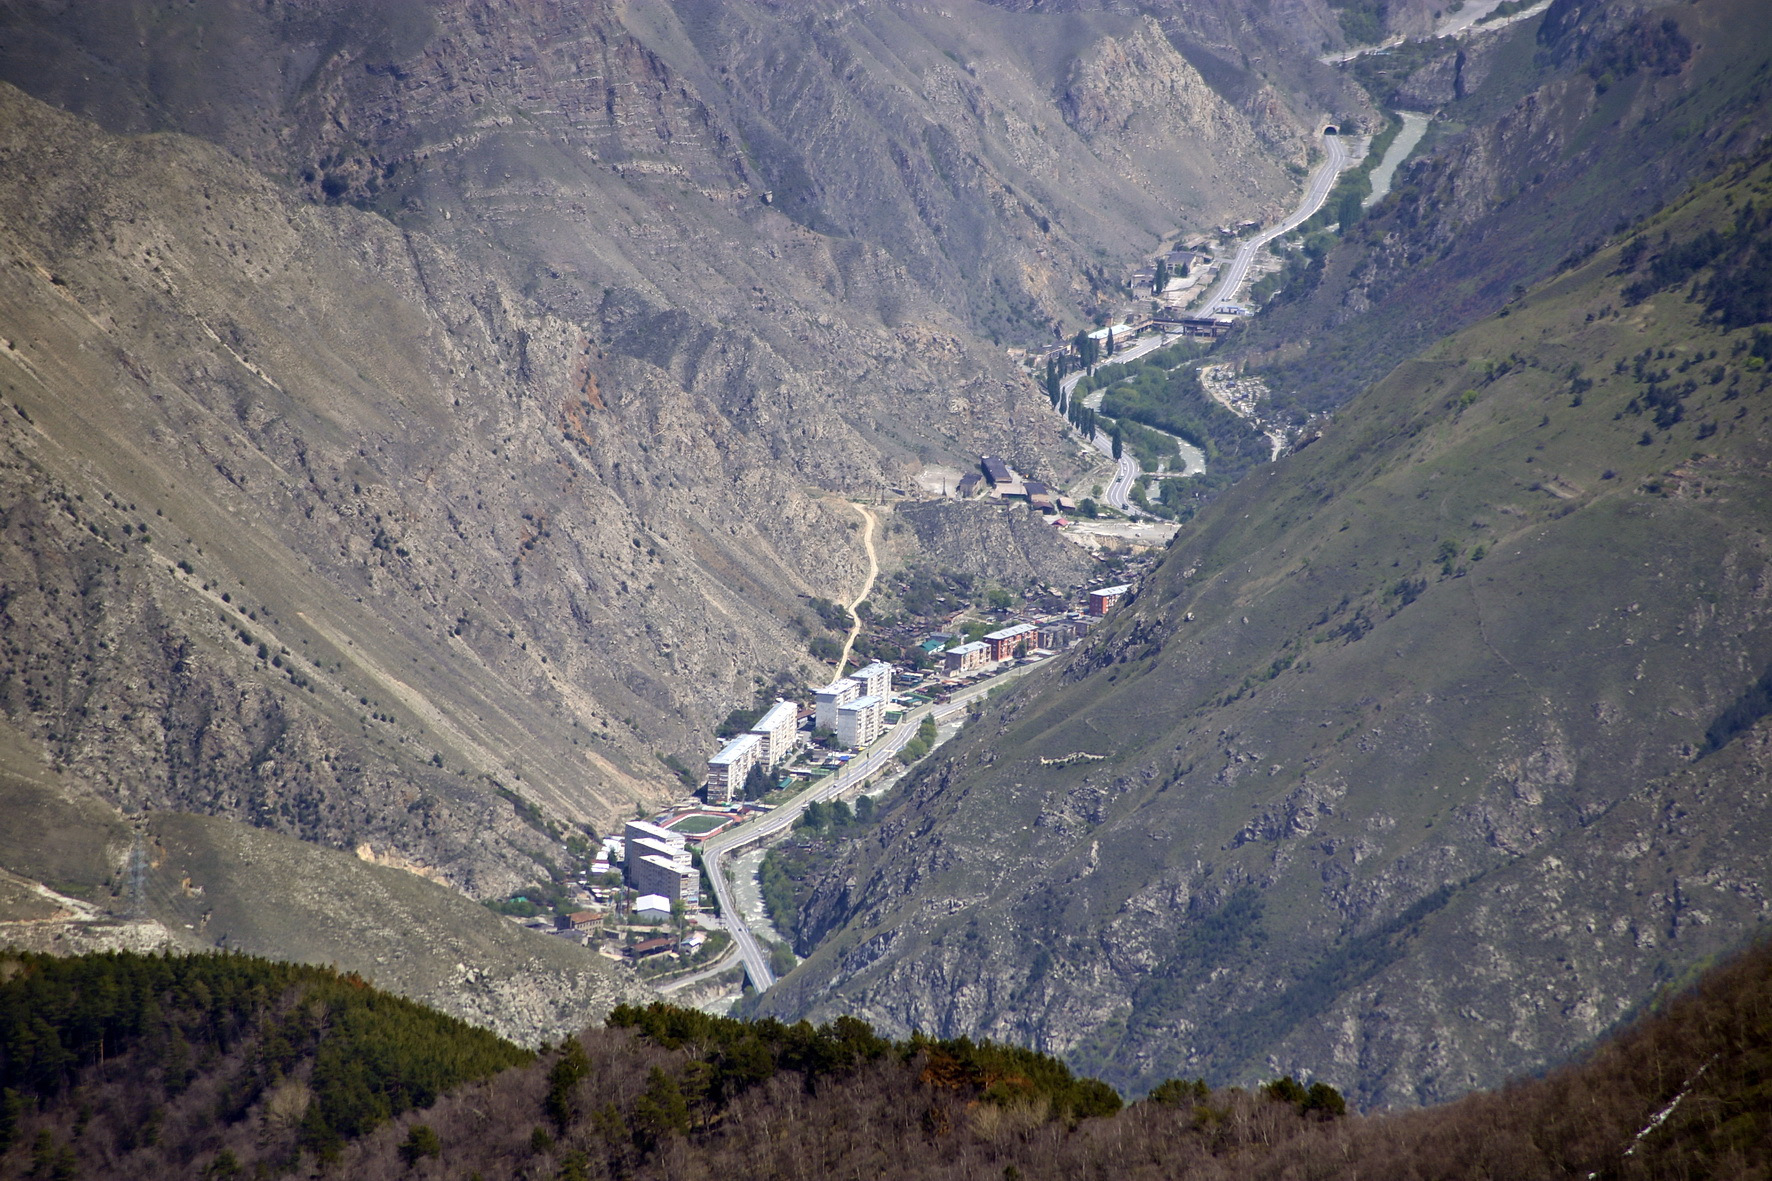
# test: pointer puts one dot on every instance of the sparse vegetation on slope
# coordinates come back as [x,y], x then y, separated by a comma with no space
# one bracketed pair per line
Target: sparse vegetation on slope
[1405,726]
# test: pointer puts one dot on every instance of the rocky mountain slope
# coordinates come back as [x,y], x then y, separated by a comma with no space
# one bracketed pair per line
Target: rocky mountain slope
[1428,751]
[1548,137]
[169,881]
[422,415]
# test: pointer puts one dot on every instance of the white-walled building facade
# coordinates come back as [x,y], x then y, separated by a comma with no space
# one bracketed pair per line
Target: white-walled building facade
[828,700]
[875,680]
[727,770]
[778,730]
[658,862]
[861,722]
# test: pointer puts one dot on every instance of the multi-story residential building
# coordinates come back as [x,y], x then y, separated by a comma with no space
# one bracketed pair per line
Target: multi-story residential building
[965,658]
[727,770]
[861,722]
[827,700]
[1005,643]
[658,862]
[1102,601]
[778,729]
[677,880]
[645,829]
[875,680]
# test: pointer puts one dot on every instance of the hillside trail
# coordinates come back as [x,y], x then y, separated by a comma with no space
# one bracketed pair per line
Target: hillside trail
[867,588]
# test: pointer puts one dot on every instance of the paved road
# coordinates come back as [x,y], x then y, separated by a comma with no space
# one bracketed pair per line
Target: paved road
[1457,25]
[1126,467]
[749,947]
[724,964]
[1322,182]
[1125,474]
[1313,199]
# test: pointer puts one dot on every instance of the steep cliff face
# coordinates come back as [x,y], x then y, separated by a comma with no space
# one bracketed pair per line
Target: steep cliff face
[1427,753]
[1002,543]
[1128,94]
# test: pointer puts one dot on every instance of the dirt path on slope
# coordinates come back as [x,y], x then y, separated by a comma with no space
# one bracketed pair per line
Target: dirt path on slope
[867,588]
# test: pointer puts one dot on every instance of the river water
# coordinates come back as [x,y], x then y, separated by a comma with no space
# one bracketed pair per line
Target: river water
[1414,127]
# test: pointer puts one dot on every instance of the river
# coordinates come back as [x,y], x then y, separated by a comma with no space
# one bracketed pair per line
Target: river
[1414,127]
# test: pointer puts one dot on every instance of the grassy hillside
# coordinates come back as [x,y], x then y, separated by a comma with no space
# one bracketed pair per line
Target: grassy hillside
[226,1067]
[1430,749]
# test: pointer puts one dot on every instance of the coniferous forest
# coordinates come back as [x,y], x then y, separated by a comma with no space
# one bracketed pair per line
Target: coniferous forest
[122,1065]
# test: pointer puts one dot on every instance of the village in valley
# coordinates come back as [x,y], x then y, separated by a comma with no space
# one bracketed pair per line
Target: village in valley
[643,896]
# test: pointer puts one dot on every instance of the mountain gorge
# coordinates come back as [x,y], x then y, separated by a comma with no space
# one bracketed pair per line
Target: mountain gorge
[528,354]
[420,424]
[1409,766]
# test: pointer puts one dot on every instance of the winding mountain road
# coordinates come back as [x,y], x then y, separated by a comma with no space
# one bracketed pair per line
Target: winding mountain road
[1321,184]
[1125,474]
[749,947]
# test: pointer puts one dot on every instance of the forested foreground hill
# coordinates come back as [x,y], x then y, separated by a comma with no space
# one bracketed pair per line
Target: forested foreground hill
[224,1066]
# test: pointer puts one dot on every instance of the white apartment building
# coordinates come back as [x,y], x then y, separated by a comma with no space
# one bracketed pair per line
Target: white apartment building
[875,680]
[727,770]
[778,729]
[861,722]
[645,829]
[828,700]
[658,862]
[677,880]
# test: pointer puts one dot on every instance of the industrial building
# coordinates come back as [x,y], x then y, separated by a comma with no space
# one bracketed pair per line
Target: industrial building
[828,700]
[778,729]
[861,722]
[727,770]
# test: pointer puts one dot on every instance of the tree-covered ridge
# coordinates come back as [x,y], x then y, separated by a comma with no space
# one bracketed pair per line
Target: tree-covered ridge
[740,1054]
[97,1086]
[676,1093]
[167,1058]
